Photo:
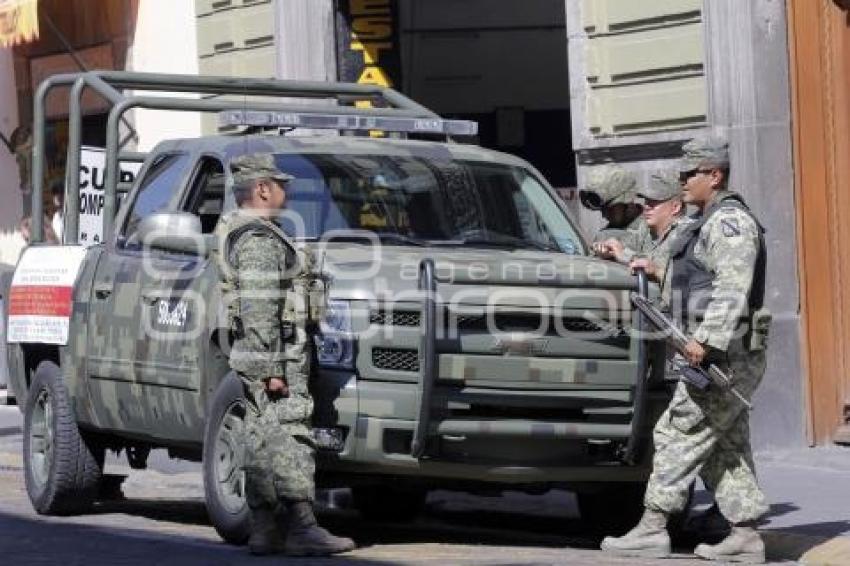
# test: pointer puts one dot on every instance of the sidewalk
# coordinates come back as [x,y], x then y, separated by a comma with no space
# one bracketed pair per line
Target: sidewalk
[809,490]
[809,518]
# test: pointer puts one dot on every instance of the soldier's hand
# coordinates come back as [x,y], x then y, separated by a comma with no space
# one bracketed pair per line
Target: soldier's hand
[277,386]
[694,352]
[609,249]
[645,264]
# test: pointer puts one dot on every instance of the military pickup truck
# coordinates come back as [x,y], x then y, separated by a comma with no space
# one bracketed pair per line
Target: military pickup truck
[470,341]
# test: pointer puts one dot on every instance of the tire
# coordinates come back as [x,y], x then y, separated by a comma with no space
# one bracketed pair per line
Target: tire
[385,503]
[62,470]
[613,509]
[224,480]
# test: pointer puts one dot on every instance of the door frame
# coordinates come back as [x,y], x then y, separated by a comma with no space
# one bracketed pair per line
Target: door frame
[819,33]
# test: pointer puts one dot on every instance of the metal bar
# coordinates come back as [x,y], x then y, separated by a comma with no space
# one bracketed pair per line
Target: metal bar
[75,134]
[247,86]
[531,429]
[136,156]
[72,163]
[38,161]
[634,445]
[428,360]
[197,105]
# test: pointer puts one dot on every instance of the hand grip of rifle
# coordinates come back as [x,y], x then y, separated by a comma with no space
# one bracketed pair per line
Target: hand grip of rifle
[678,339]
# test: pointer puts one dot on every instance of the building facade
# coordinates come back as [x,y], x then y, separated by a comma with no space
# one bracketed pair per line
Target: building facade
[564,83]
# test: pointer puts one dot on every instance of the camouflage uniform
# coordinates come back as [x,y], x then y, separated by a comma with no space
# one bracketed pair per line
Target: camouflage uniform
[279,460]
[608,185]
[663,186]
[707,432]
[634,236]
[260,270]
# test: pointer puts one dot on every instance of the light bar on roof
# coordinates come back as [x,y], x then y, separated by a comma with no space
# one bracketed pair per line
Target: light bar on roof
[273,119]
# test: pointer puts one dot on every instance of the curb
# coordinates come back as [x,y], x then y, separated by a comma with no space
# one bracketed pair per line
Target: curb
[809,550]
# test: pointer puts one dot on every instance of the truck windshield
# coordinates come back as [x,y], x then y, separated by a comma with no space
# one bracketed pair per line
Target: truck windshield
[411,200]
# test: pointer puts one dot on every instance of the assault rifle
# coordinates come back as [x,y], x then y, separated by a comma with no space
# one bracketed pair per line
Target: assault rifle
[696,376]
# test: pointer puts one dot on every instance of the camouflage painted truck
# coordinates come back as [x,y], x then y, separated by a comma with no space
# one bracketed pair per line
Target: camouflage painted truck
[469,343]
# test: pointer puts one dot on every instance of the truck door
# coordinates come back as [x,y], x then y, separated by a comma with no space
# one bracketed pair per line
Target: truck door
[115,327]
[179,290]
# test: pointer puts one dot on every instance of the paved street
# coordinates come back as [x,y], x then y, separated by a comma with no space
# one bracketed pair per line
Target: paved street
[162,521]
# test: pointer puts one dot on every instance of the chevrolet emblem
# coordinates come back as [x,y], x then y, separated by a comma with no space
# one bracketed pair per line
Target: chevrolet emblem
[520,345]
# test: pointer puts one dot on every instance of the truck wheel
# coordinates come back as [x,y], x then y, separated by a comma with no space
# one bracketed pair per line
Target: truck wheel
[62,470]
[224,480]
[385,503]
[612,510]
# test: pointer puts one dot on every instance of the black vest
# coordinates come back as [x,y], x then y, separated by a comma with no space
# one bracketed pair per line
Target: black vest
[691,282]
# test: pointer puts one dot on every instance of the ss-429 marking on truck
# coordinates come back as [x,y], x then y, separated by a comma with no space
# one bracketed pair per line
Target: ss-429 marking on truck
[470,342]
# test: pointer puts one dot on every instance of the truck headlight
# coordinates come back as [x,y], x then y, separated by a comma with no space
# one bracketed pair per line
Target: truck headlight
[334,342]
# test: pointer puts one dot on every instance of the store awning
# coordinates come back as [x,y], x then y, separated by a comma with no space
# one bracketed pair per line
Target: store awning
[18,22]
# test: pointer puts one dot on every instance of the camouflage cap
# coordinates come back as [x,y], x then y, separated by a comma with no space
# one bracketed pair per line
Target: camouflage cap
[706,151]
[607,185]
[256,166]
[663,185]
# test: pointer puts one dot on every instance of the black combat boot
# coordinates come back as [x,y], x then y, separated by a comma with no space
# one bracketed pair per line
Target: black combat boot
[304,536]
[265,537]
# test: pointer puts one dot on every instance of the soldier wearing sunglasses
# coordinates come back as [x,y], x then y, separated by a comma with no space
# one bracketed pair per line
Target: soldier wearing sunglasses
[717,276]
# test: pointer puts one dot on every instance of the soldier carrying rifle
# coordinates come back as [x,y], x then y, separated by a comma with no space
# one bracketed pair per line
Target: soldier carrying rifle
[717,277]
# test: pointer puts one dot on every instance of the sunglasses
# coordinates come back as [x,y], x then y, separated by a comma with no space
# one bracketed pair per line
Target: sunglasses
[685,176]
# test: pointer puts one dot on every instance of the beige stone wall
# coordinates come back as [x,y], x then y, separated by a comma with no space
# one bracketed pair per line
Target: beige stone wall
[10,193]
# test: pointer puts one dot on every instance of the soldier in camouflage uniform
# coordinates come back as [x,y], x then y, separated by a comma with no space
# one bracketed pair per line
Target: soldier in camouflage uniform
[611,190]
[663,212]
[717,277]
[262,275]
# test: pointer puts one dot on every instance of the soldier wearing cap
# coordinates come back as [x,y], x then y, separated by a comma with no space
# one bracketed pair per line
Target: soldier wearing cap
[612,190]
[260,270]
[717,272]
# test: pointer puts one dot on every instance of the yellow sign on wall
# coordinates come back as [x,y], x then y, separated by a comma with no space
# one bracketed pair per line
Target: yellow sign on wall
[18,22]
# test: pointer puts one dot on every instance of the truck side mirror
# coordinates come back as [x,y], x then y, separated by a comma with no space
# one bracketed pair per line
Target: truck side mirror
[172,232]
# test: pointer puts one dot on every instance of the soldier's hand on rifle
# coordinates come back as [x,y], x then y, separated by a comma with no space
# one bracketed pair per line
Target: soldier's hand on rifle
[644,263]
[694,352]
[277,386]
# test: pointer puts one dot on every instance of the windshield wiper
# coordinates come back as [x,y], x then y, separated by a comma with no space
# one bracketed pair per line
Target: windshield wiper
[498,241]
[383,237]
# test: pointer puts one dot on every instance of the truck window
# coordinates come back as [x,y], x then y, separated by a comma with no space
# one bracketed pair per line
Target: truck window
[206,197]
[155,190]
[434,201]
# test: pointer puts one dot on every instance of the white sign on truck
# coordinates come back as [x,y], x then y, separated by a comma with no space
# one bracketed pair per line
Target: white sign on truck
[41,294]
[92,177]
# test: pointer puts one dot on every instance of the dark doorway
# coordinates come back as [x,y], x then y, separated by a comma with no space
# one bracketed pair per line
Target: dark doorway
[501,63]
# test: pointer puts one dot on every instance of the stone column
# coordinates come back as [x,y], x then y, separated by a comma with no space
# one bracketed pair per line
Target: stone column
[749,100]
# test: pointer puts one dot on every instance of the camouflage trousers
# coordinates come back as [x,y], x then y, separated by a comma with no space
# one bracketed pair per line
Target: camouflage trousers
[707,433]
[280,459]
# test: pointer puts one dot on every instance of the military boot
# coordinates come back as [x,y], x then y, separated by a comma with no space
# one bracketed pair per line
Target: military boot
[649,539]
[265,537]
[744,544]
[306,538]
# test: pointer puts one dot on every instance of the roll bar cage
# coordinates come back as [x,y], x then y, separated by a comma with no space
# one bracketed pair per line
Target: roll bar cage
[110,85]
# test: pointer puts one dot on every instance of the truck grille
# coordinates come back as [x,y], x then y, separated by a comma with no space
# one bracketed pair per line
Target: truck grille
[503,321]
[395,318]
[396,359]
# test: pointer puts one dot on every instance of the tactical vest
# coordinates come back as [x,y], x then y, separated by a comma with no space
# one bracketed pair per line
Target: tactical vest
[693,281]
[304,302]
